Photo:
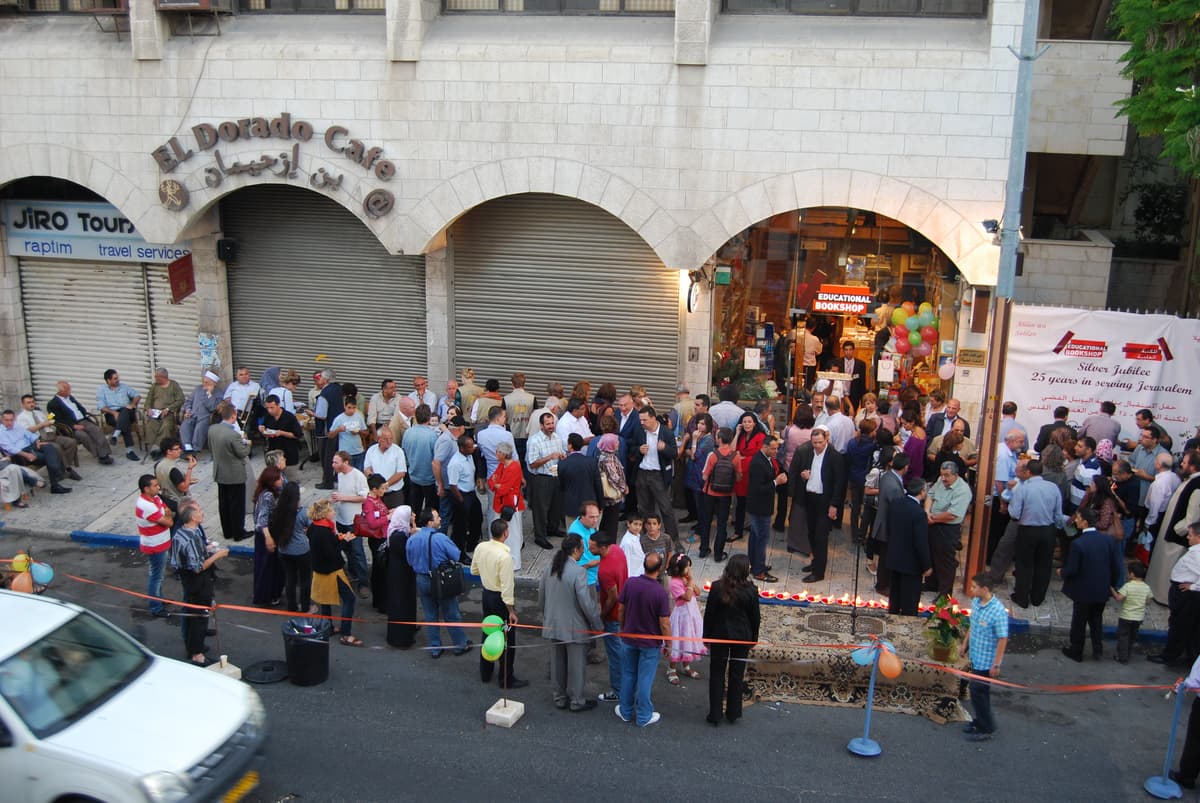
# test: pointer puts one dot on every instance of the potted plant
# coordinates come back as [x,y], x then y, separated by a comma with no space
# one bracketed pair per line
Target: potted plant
[948,624]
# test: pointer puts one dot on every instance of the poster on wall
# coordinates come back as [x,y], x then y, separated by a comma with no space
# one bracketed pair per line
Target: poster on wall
[1079,358]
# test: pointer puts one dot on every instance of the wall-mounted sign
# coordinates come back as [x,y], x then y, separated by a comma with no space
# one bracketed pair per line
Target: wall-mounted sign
[87,231]
[972,357]
[286,164]
[842,299]
[182,277]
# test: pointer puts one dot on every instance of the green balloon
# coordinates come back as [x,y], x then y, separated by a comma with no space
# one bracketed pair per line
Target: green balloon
[914,337]
[492,624]
[934,323]
[493,646]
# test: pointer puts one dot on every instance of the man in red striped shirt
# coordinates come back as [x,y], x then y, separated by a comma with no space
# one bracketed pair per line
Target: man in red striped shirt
[154,522]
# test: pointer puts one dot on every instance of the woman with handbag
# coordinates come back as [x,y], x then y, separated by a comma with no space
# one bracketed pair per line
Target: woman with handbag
[330,585]
[612,483]
[507,485]
[401,582]
[268,572]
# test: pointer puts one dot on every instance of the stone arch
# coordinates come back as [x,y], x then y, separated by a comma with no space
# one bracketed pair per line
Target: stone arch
[964,242]
[78,166]
[430,216]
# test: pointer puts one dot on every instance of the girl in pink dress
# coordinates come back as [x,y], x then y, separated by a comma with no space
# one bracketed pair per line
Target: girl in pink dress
[687,625]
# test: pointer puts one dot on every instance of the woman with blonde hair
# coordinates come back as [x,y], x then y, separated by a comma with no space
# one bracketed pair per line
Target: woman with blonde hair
[330,585]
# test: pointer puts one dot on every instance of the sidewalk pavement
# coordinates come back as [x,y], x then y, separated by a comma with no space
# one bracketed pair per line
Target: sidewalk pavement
[100,511]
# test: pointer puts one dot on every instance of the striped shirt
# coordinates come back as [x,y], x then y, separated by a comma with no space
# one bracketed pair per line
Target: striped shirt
[155,537]
[541,446]
[189,550]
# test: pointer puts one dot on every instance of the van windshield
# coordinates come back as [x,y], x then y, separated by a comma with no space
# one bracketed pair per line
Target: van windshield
[70,672]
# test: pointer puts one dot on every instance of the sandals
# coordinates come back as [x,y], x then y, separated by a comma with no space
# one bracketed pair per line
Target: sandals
[351,641]
[673,677]
[691,673]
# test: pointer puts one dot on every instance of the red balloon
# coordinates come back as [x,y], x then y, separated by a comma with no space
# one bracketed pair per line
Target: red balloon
[900,332]
[928,334]
[903,346]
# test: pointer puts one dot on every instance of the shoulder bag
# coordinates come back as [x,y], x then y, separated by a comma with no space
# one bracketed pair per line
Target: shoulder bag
[446,579]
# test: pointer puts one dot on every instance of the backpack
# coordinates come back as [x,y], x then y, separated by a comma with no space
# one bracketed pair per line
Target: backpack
[723,476]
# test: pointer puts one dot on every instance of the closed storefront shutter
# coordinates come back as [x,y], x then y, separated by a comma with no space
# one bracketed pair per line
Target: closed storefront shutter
[562,291]
[309,279]
[81,319]
[174,328]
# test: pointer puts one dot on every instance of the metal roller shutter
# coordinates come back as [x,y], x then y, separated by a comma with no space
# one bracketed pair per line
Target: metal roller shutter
[562,291]
[81,319]
[174,328]
[308,278]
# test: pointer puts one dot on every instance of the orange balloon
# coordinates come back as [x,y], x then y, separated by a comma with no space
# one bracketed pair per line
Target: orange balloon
[889,665]
[23,582]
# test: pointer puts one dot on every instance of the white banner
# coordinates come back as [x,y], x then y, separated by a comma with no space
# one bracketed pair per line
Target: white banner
[1079,358]
[86,231]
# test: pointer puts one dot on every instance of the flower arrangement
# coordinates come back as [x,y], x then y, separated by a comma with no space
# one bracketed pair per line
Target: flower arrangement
[948,622]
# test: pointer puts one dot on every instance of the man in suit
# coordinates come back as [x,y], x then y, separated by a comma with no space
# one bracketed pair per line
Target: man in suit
[628,427]
[1059,422]
[819,483]
[891,489]
[655,452]
[329,406]
[66,409]
[765,476]
[230,451]
[907,548]
[941,423]
[578,479]
[1092,570]
[849,364]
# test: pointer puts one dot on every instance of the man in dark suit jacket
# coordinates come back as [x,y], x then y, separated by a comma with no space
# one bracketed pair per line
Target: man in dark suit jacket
[1047,430]
[229,452]
[891,490]
[67,411]
[1092,570]
[653,452]
[941,423]
[765,476]
[629,426]
[849,364]
[820,492]
[579,479]
[907,548]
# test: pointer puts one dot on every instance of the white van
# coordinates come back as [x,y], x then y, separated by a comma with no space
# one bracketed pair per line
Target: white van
[89,714]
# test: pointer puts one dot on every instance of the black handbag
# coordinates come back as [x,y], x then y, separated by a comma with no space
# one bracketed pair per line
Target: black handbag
[446,580]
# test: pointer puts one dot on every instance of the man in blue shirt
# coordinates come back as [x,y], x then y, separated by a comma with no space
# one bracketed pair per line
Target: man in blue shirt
[1037,508]
[118,404]
[418,442]
[25,449]
[426,549]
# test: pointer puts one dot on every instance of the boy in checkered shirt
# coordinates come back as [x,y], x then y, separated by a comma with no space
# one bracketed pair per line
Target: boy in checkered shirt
[986,641]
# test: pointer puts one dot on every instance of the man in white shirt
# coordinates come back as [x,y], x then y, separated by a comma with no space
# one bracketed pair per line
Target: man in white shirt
[242,392]
[382,407]
[840,425]
[41,425]
[67,409]
[386,459]
[1164,484]
[545,449]
[810,347]
[422,394]
[574,420]
[351,490]
[657,447]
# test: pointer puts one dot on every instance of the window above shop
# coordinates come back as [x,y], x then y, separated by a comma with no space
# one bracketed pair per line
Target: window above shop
[311,6]
[609,7]
[860,8]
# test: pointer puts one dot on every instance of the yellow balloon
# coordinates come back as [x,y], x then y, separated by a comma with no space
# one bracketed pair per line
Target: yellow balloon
[20,563]
[889,665]
[23,582]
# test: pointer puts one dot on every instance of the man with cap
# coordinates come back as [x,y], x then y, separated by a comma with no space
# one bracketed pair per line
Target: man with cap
[197,413]
[444,449]
[543,451]
[947,503]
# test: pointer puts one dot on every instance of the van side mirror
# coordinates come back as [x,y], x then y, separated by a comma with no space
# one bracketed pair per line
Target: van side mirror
[6,737]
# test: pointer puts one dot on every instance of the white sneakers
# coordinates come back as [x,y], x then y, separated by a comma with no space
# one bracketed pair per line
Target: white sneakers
[655,717]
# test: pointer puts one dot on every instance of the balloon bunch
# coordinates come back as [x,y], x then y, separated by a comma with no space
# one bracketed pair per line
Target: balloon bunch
[494,641]
[914,328]
[28,576]
[890,666]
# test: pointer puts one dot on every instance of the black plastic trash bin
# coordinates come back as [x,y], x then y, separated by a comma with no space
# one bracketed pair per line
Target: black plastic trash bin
[306,647]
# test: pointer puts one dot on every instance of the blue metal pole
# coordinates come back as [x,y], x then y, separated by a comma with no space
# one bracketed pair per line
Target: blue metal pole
[1162,786]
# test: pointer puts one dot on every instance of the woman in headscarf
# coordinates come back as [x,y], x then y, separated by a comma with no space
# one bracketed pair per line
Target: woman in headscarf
[402,583]
[612,479]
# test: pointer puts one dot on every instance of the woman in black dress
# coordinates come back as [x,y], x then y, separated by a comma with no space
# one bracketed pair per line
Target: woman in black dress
[731,612]
[401,582]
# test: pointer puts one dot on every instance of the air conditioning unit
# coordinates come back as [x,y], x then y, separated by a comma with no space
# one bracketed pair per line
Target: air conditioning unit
[195,5]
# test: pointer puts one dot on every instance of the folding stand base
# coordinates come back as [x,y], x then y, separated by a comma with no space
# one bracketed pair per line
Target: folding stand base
[505,713]
[862,746]
[1162,788]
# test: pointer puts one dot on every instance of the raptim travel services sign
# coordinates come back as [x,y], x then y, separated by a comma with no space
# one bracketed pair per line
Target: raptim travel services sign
[85,231]
[285,164]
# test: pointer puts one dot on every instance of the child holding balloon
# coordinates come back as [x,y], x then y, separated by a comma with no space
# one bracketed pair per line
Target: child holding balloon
[687,625]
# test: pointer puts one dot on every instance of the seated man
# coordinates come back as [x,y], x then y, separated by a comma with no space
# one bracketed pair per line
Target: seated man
[243,394]
[67,410]
[26,449]
[45,428]
[164,400]
[118,404]
[197,413]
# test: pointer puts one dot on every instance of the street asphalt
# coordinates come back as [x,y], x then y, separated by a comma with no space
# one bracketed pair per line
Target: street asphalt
[395,725]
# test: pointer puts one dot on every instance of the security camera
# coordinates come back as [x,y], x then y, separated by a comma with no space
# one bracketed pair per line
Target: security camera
[991,225]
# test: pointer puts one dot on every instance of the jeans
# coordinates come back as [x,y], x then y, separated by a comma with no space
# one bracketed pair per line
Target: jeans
[348,599]
[718,505]
[760,535]
[158,560]
[356,558]
[638,666]
[981,701]
[443,610]
[445,511]
[358,460]
[616,653]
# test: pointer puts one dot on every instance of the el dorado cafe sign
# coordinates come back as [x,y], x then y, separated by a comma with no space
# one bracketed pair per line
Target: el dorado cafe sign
[169,156]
